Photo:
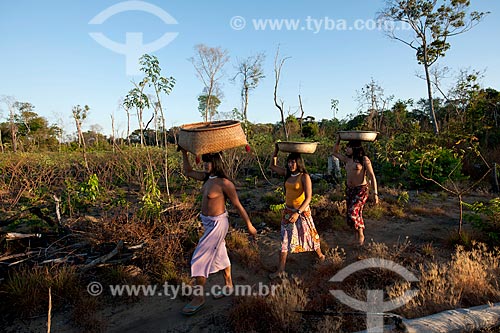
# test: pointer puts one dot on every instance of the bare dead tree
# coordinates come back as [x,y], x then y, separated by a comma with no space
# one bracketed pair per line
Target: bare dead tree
[113,131]
[251,72]
[278,64]
[301,108]
[11,105]
[127,111]
[372,97]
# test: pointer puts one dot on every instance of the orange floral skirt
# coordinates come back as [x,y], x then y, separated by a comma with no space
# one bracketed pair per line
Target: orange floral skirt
[300,236]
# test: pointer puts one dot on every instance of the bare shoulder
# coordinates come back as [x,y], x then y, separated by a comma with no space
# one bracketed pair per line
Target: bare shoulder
[227,183]
[367,163]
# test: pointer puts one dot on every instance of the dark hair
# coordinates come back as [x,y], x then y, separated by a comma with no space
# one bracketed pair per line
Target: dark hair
[301,167]
[354,143]
[357,150]
[217,164]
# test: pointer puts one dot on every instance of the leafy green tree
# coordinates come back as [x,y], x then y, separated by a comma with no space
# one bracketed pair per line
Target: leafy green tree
[310,129]
[136,98]
[79,115]
[207,104]
[483,116]
[161,84]
[32,130]
[432,24]
[329,127]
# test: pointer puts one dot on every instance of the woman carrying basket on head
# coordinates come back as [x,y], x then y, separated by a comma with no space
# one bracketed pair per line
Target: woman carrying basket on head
[298,233]
[358,168]
[210,255]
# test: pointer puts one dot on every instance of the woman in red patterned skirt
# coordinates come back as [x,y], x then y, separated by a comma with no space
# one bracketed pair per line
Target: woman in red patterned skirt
[358,168]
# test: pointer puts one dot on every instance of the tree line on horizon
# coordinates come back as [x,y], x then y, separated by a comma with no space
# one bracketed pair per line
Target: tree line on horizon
[465,109]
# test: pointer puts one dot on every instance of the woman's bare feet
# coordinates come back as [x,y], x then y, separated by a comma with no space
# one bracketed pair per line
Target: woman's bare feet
[320,254]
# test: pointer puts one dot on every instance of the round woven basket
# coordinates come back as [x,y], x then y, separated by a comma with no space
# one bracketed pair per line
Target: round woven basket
[211,137]
[358,135]
[297,147]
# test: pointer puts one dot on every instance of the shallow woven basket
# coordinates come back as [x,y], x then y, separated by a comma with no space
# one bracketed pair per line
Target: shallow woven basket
[358,135]
[211,137]
[297,147]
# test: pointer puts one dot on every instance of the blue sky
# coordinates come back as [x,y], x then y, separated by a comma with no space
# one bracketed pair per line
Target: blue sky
[49,59]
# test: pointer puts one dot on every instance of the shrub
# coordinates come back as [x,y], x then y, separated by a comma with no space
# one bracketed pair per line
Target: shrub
[485,217]
[434,162]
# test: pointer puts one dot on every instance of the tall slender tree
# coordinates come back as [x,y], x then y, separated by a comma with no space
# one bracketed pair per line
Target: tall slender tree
[209,63]
[251,72]
[136,98]
[160,84]
[10,101]
[278,64]
[431,22]
[79,115]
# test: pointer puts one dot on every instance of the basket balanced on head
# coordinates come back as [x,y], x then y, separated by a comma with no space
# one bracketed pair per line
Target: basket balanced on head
[367,136]
[211,137]
[297,147]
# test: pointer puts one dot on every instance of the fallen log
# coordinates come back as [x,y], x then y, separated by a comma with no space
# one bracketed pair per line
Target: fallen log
[17,235]
[17,255]
[451,321]
[105,257]
[458,320]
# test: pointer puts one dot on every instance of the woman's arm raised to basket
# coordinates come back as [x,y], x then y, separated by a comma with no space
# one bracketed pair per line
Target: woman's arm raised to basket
[336,150]
[273,164]
[188,170]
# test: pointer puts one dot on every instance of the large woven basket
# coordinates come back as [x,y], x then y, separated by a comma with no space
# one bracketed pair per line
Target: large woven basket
[297,147]
[211,137]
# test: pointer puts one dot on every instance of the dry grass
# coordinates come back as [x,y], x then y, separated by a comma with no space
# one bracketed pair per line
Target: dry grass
[470,278]
[288,296]
[246,252]
[85,315]
[428,250]
[26,289]
[273,313]
[427,211]
[330,324]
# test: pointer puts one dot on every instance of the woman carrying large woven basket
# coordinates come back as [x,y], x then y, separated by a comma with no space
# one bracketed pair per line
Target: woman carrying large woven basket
[210,255]
[298,232]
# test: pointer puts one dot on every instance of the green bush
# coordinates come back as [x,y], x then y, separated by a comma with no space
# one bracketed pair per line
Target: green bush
[436,163]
